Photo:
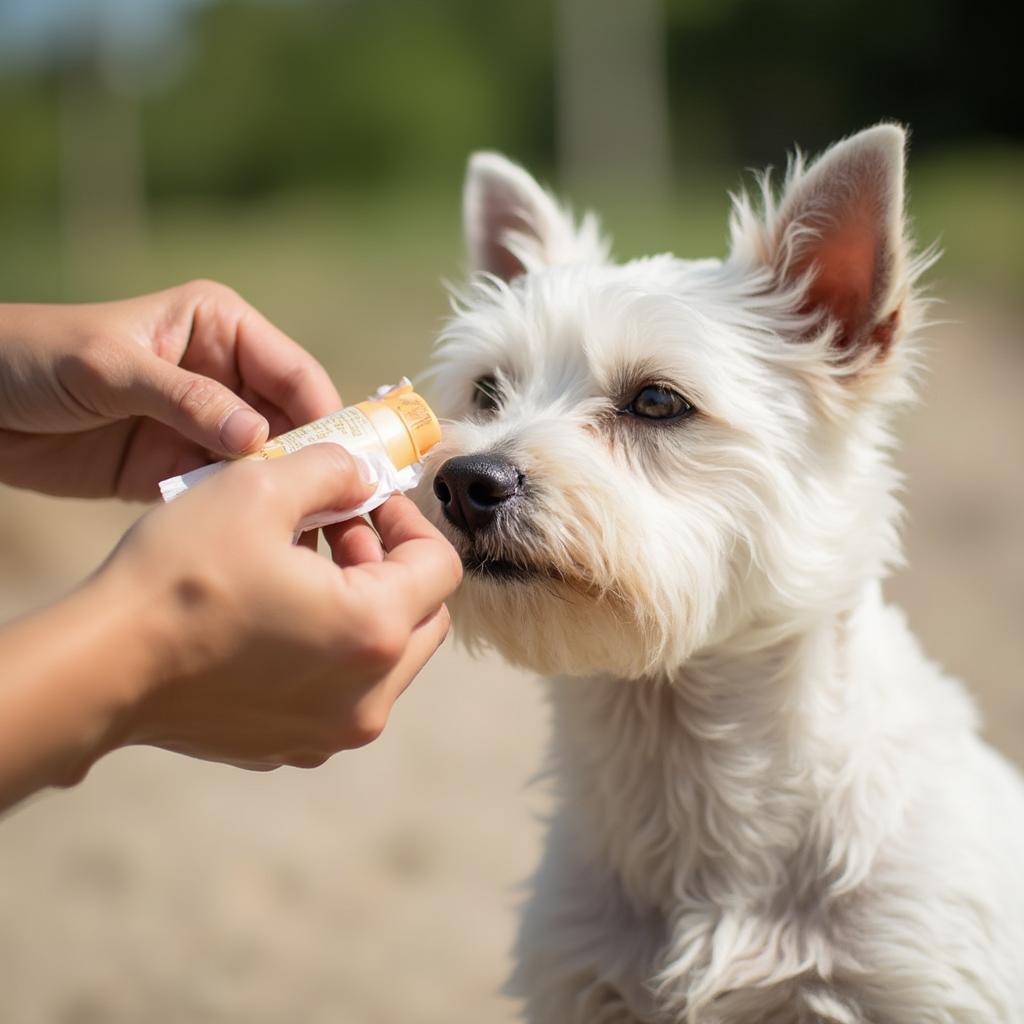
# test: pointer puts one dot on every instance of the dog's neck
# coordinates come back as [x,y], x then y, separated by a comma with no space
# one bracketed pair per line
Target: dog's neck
[719,783]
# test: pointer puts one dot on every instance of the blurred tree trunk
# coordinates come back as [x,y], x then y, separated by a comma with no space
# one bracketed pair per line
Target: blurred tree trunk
[103,203]
[613,112]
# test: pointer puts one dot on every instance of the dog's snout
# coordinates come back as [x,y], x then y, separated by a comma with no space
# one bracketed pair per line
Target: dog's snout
[471,489]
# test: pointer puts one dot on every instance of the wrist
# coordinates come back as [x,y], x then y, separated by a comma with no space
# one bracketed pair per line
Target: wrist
[133,640]
[73,673]
[113,667]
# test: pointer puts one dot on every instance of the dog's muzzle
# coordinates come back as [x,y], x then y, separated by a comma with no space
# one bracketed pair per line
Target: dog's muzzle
[473,489]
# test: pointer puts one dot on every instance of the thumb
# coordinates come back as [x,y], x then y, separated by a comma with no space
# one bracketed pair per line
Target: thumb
[198,407]
[318,478]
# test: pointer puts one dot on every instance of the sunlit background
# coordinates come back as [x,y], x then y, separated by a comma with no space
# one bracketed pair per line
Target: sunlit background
[310,154]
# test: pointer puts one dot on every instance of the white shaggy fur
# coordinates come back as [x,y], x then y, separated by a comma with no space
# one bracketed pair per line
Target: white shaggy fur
[772,808]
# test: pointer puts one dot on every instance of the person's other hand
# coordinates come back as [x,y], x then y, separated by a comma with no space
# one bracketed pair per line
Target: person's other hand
[110,398]
[261,652]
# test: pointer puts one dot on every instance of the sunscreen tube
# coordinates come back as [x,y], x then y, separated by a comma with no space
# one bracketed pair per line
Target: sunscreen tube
[390,432]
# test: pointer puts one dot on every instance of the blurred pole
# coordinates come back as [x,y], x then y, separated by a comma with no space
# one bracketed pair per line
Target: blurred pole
[103,207]
[613,111]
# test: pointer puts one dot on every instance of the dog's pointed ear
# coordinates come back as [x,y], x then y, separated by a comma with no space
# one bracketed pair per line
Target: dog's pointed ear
[839,230]
[513,225]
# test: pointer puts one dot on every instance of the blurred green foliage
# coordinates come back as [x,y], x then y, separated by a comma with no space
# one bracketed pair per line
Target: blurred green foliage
[374,92]
[327,138]
[29,156]
[286,95]
[760,74]
[348,94]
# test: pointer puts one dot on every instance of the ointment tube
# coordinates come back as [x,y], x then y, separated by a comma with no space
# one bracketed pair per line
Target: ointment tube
[392,432]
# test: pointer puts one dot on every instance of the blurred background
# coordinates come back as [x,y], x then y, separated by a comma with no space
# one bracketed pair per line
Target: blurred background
[310,154]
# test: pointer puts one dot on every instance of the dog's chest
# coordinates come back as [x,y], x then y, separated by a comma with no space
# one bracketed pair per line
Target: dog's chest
[706,832]
[675,800]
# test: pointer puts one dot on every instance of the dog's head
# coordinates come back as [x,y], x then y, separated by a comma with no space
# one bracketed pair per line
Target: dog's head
[644,459]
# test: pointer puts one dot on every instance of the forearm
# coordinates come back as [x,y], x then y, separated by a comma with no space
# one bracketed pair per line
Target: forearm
[68,676]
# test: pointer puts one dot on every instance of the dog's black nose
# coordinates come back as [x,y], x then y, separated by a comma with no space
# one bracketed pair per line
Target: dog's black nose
[471,489]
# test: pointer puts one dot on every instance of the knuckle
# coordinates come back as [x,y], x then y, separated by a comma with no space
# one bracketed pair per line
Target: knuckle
[72,775]
[206,288]
[251,478]
[95,360]
[367,723]
[445,567]
[309,759]
[455,567]
[260,485]
[342,459]
[444,623]
[369,632]
[295,382]
[195,395]
[381,645]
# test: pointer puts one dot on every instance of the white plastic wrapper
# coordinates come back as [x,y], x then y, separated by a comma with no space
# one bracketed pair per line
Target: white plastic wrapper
[389,481]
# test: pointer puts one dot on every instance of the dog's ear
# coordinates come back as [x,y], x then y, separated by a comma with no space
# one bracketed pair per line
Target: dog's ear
[513,225]
[839,230]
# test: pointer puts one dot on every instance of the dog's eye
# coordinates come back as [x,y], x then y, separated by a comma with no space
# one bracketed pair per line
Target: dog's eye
[659,403]
[485,393]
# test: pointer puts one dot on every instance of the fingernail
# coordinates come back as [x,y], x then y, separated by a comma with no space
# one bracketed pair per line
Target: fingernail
[240,429]
[367,473]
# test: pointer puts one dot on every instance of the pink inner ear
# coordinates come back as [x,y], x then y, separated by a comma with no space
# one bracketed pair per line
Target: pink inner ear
[845,286]
[500,216]
[500,262]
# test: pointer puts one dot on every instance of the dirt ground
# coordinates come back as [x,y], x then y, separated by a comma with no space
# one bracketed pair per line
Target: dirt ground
[381,889]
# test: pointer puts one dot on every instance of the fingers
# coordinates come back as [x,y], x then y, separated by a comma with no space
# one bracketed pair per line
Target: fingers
[420,567]
[225,341]
[354,542]
[399,522]
[365,722]
[282,371]
[424,641]
[315,479]
[198,407]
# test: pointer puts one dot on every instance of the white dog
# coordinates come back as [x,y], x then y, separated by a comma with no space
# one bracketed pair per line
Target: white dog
[670,484]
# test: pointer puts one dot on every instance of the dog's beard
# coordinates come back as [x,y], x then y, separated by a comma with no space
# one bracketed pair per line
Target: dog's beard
[500,558]
[545,621]
[562,603]
[517,553]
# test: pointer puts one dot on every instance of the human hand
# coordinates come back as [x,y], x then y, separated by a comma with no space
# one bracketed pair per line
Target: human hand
[110,398]
[261,652]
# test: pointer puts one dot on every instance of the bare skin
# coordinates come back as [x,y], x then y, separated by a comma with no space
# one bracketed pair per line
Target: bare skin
[206,631]
[110,398]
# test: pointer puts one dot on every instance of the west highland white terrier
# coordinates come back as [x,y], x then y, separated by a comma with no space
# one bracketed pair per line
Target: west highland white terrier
[670,484]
